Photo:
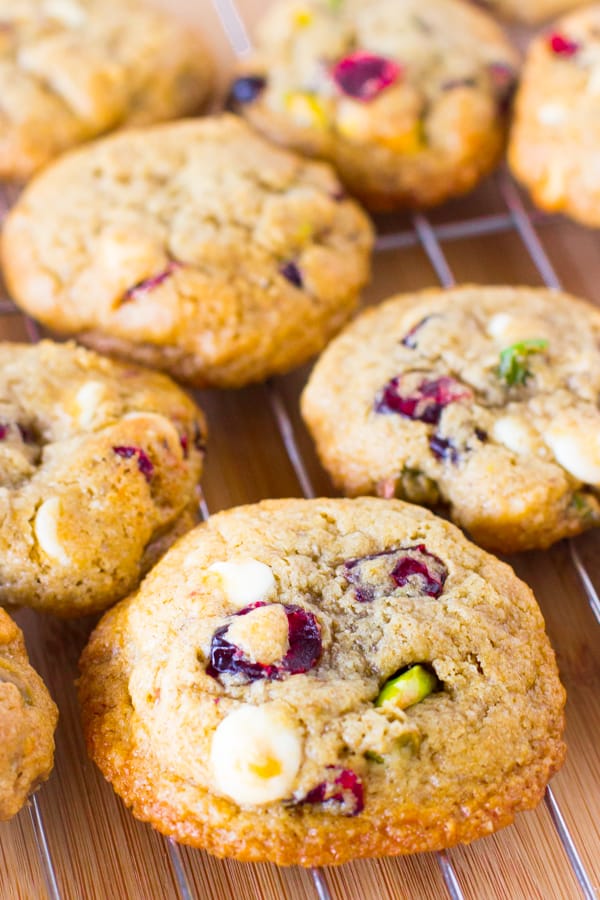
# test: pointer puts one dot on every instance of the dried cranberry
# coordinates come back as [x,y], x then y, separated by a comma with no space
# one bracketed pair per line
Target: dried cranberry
[3,431]
[185,445]
[342,792]
[144,462]
[425,403]
[396,566]
[246,89]
[431,571]
[562,45]
[304,637]
[444,448]
[293,274]
[149,284]
[363,75]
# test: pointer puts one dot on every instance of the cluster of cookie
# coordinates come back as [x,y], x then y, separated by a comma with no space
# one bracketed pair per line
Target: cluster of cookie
[299,681]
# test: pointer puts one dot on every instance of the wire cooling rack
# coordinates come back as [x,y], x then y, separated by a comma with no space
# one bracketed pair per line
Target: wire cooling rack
[433,237]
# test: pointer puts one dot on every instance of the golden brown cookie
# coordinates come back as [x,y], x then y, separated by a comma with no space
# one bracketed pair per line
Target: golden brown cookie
[482,399]
[73,69]
[311,681]
[98,468]
[200,249]
[553,147]
[531,11]
[407,99]
[27,722]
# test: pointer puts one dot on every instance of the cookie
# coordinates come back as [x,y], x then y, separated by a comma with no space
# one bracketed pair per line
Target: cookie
[74,69]
[98,468]
[532,11]
[27,722]
[200,249]
[310,681]
[480,399]
[407,99]
[554,138]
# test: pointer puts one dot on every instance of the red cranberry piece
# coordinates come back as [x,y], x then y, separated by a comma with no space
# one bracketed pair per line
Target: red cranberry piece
[342,792]
[425,403]
[304,637]
[246,89]
[144,462]
[3,431]
[293,274]
[149,284]
[185,445]
[561,45]
[443,448]
[363,75]
[372,582]
[430,570]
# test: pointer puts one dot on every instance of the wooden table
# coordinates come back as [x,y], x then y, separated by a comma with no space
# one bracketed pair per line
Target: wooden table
[78,841]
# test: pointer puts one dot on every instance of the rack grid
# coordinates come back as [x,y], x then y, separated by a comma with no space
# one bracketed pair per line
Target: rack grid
[431,236]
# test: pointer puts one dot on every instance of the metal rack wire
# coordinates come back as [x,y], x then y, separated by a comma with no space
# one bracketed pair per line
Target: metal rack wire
[430,237]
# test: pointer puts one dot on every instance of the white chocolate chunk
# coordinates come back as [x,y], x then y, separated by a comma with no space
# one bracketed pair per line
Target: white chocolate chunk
[256,753]
[575,443]
[45,527]
[88,398]
[163,424]
[262,635]
[551,114]
[244,581]
[508,329]
[515,433]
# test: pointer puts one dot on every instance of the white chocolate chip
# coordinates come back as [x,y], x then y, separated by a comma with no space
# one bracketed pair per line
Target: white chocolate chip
[256,753]
[45,528]
[508,329]
[515,433]
[576,446]
[262,635]
[551,114]
[244,581]
[88,398]
[163,424]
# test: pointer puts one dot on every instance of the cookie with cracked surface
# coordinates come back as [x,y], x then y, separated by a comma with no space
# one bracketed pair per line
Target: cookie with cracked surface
[201,249]
[482,399]
[27,722]
[98,468]
[74,69]
[310,681]
[554,137]
[407,99]
[532,11]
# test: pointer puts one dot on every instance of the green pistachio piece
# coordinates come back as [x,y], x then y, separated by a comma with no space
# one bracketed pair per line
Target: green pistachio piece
[513,360]
[374,757]
[584,507]
[408,688]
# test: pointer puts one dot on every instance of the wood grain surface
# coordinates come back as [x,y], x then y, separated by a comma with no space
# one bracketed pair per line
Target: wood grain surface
[78,841]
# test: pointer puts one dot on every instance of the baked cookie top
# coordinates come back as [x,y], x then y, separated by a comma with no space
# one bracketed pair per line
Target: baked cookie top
[533,11]
[555,134]
[407,99]
[313,681]
[73,69]
[481,398]
[27,722]
[98,468]
[200,248]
